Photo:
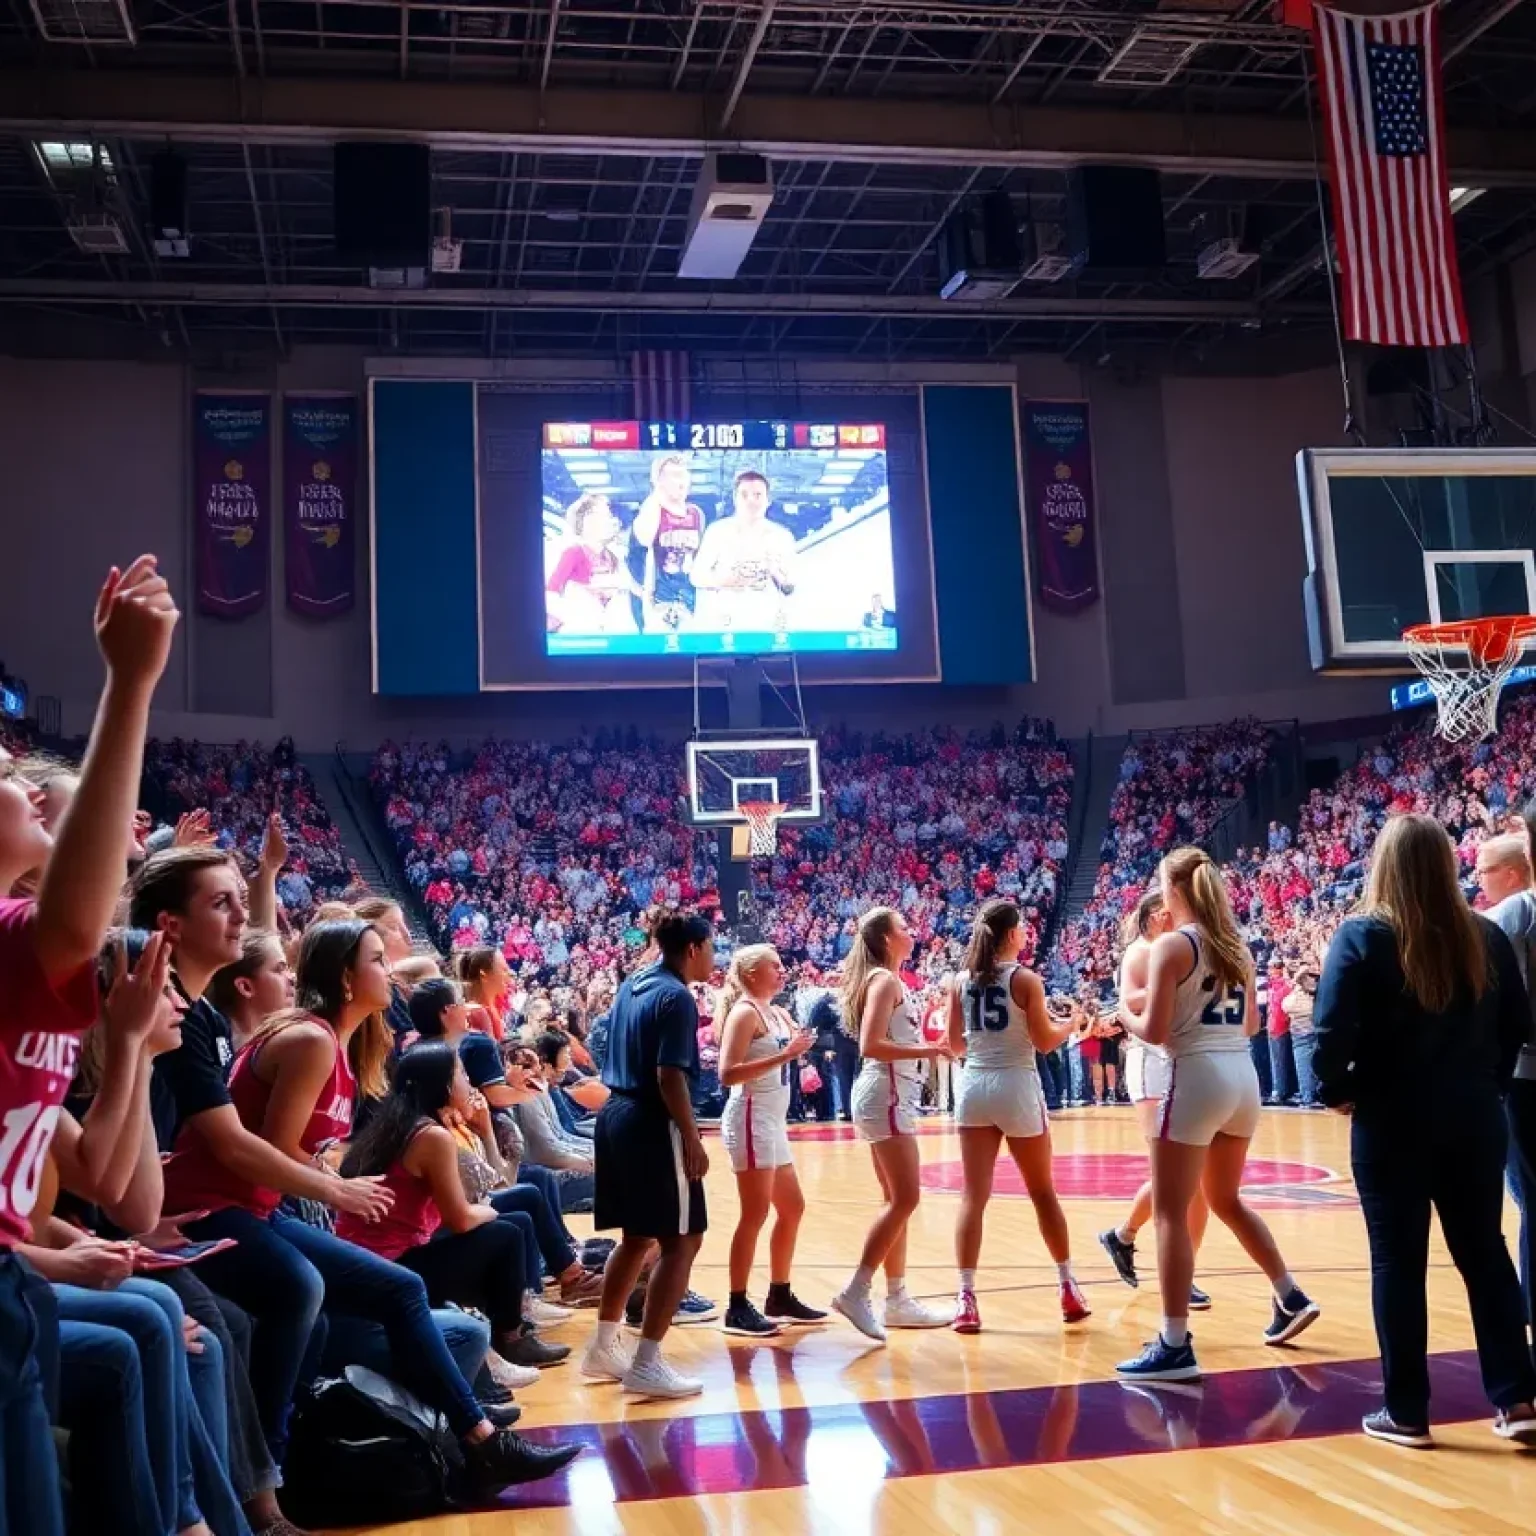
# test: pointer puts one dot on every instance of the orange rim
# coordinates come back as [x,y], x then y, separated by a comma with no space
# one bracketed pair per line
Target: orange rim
[1487,641]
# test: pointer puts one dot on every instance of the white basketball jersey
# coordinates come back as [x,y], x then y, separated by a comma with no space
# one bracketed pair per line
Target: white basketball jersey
[996,1028]
[903,1029]
[1134,1041]
[1207,1016]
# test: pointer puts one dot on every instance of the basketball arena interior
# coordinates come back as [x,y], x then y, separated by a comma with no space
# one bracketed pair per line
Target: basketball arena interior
[885,526]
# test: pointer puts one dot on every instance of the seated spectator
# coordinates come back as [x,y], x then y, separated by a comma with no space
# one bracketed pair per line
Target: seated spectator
[546,1141]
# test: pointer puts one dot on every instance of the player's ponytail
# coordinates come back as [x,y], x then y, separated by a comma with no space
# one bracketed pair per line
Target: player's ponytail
[995,921]
[867,956]
[1191,872]
[743,963]
[1138,921]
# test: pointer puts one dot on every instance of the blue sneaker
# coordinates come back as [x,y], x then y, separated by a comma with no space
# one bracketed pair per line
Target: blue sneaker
[1162,1361]
[694,1308]
[1290,1317]
[1198,1300]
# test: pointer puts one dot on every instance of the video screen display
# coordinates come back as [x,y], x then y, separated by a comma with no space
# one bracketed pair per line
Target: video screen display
[689,538]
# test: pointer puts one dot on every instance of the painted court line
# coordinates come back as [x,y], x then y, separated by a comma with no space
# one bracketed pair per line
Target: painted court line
[848,1444]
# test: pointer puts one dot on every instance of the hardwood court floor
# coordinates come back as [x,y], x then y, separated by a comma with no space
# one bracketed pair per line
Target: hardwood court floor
[1024,1427]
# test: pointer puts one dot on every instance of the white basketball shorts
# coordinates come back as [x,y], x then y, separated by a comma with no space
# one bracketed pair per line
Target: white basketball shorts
[754,1135]
[1009,1098]
[1209,1094]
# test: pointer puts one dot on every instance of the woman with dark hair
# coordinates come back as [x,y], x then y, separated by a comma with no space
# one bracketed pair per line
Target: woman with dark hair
[1420,1015]
[389,918]
[997,1021]
[486,978]
[294,1086]
[438,1012]
[468,1253]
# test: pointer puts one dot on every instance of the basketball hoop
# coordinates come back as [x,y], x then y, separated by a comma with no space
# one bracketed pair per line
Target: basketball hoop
[762,818]
[1465,664]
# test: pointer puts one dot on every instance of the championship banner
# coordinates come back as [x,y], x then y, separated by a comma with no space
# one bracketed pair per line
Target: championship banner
[320,502]
[1058,489]
[232,501]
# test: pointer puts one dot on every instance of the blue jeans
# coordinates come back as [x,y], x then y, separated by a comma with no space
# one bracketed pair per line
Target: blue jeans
[576,1189]
[183,1425]
[1052,1075]
[282,1272]
[485,1268]
[30,1501]
[556,1255]
[1303,1043]
[1282,1068]
[1258,1049]
[354,1341]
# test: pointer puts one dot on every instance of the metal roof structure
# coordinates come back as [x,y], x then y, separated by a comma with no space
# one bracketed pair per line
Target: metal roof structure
[567,136]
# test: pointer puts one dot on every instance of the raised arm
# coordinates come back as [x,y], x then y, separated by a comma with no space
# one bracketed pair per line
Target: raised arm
[135,619]
[263,893]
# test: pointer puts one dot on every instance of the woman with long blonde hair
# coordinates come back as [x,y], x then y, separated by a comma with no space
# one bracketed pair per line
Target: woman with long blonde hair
[757,1043]
[1419,1020]
[1200,1009]
[875,1005]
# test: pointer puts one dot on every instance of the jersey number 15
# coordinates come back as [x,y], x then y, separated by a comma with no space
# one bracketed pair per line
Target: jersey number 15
[989,1009]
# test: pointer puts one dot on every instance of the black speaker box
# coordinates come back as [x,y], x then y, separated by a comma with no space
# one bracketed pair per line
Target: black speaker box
[168,197]
[1115,218]
[383,204]
[982,235]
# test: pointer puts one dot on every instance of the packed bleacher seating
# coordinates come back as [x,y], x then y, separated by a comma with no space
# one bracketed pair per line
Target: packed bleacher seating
[1173,789]
[239,786]
[554,852]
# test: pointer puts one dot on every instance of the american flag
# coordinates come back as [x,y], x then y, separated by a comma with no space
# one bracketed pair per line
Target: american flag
[1380,82]
[661,385]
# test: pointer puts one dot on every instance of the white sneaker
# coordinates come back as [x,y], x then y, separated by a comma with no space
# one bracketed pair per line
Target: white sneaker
[505,1374]
[545,1314]
[658,1379]
[909,1312]
[609,1364]
[859,1310]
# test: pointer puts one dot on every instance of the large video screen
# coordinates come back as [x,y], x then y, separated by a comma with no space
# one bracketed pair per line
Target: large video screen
[708,538]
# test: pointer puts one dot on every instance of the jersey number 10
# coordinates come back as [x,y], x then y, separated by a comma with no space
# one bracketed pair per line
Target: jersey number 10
[989,1009]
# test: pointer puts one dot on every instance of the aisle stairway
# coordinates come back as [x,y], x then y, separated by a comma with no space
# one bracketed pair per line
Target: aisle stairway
[1103,770]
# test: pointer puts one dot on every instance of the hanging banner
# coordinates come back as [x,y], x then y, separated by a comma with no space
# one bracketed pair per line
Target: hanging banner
[320,502]
[232,501]
[1058,488]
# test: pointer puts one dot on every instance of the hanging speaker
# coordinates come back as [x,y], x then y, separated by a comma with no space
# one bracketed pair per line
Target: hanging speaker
[168,205]
[1115,218]
[382,196]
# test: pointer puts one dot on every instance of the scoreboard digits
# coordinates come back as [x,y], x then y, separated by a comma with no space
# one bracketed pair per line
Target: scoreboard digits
[714,436]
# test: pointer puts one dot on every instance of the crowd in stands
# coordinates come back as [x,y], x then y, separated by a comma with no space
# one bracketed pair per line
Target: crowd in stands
[1173,789]
[239,787]
[554,852]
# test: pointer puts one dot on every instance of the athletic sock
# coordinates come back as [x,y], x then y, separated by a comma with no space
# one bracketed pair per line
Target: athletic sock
[1175,1330]
[1284,1286]
[607,1335]
[896,1289]
[862,1280]
[1064,1271]
[737,1299]
[778,1290]
[1127,1235]
[967,1279]
[647,1351]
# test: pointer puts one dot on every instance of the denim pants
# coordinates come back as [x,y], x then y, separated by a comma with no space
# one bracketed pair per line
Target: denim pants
[552,1246]
[284,1270]
[1052,1078]
[1258,1049]
[1303,1043]
[30,1500]
[1400,1172]
[577,1188]
[355,1341]
[170,1456]
[533,1177]
[485,1268]
[1282,1068]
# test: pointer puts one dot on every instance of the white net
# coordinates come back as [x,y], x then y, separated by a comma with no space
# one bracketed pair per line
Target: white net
[1466,666]
[762,827]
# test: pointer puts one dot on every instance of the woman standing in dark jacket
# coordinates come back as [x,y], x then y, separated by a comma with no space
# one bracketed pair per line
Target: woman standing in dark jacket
[1419,1017]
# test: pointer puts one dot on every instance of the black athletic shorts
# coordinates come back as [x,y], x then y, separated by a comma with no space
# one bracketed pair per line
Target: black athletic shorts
[641,1186]
[1109,1051]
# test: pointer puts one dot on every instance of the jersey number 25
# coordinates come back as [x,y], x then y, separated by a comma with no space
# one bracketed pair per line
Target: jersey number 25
[1226,1007]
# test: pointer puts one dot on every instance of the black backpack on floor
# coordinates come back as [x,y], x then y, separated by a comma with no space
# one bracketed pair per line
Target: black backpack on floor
[364,1451]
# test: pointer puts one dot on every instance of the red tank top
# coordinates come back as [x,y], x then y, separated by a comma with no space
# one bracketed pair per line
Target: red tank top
[196,1181]
[411,1220]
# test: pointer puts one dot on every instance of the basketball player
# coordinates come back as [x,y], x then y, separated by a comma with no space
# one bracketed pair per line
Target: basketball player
[885,1096]
[1200,1008]
[757,1043]
[1146,1076]
[666,535]
[746,564]
[997,1020]
[584,593]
